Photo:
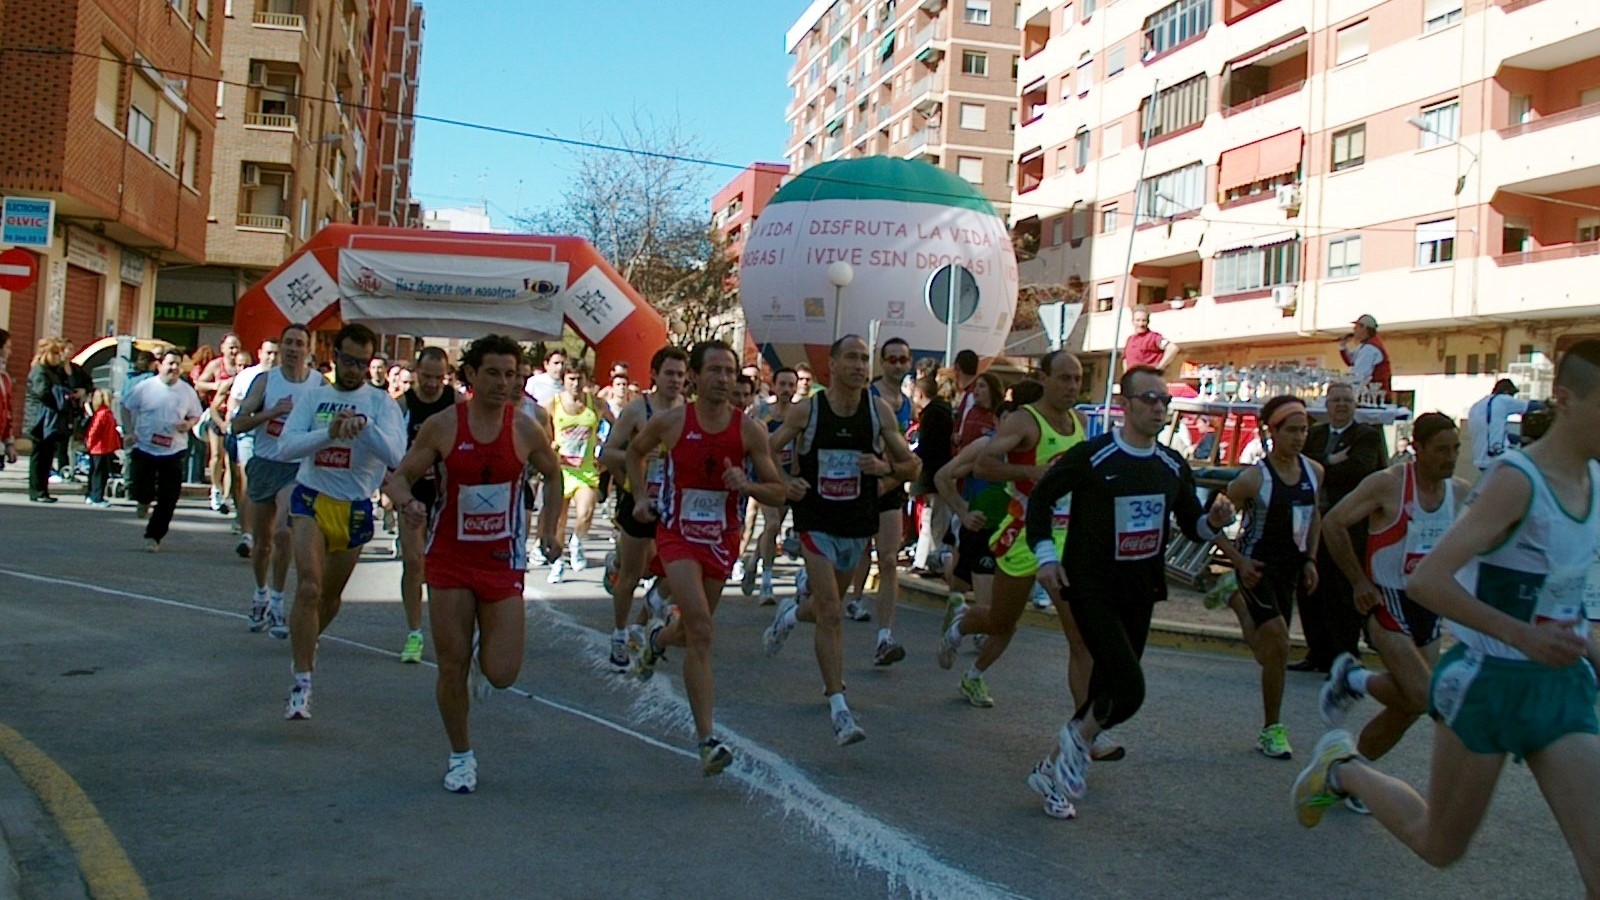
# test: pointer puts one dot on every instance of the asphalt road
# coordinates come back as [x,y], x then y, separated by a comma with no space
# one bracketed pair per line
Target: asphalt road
[135,673]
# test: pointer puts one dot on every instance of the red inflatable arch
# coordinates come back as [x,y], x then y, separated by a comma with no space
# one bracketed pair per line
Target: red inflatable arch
[455,285]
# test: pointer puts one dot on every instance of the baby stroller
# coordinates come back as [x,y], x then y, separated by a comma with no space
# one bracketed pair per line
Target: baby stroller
[116,481]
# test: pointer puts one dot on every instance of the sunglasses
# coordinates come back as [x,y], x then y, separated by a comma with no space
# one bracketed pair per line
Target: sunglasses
[345,359]
[1154,398]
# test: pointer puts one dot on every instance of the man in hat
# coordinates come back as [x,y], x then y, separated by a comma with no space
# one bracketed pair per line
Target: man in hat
[1368,359]
[1486,422]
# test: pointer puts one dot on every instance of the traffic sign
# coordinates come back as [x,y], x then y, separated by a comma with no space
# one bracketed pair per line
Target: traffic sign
[938,293]
[17,269]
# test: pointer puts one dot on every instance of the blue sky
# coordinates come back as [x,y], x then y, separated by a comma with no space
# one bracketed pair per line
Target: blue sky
[560,68]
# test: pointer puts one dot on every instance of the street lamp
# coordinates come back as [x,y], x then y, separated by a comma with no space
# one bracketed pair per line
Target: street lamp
[1461,182]
[840,274]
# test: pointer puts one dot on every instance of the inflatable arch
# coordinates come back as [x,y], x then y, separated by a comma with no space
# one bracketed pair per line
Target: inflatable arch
[455,285]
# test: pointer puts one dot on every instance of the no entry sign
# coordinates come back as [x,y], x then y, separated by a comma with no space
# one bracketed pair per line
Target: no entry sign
[17,269]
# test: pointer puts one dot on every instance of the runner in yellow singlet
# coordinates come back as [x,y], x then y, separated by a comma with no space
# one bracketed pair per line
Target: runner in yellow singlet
[575,423]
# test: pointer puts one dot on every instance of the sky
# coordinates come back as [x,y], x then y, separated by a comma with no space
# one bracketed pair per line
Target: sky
[555,67]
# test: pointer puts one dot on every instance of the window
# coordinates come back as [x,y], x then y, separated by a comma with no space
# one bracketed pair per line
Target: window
[182,6]
[1080,226]
[108,87]
[1086,8]
[1063,160]
[202,20]
[1472,363]
[1176,108]
[973,116]
[1521,109]
[1516,236]
[1350,43]
[1172,193]
[1085,76]
[1441,124]
[1116,60]
[974,62]
[1344,257]
[191,156]
[1349,147]
[977,12]
[1080,154]
[1450,366]
[1437,14]
[1108,219]
[970,168]
[1016,66]
[1105,296]
[1013,127]
[143,103]
[1588,229]
[1111,140]
[1436,242]
[1057,232]
[1175,23]
[220,85]
[1256,268]
[1491,362]
[305,218]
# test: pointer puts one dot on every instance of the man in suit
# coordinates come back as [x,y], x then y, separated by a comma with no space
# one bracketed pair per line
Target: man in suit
[1349,451]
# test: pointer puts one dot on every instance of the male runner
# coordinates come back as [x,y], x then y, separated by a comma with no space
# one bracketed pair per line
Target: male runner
[1407,507]
[635,539]
[160,412]
[477,455]
[1026,444]
[771,415]
[742,398]
[706,444]
[1124,486]
[427,397]
[576,422]
[839,436]
[894,361]
[1522,679]
[244,442]
[263,413]
[1276,555]
[345,434]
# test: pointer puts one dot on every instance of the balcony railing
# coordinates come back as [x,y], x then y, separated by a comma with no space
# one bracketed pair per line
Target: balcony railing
[1264,99]
[264,223]
[288,21]
[1564,251]
[1577,113]
[926,34]
[926,137]
[270,121]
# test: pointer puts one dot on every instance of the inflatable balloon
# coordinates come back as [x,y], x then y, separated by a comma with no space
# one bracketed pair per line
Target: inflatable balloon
[870,234]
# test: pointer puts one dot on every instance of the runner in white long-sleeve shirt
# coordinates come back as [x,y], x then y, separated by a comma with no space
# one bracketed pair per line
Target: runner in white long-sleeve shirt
[346,435]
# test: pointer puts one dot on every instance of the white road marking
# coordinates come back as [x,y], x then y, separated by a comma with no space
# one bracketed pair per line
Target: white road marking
[906,864]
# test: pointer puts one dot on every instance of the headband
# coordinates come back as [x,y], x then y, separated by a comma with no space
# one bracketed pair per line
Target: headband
[1285,411]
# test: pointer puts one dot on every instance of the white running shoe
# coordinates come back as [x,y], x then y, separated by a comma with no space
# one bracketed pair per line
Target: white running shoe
[738,574]
[579,561]
[856,611]
[258,614]
[558,572]
[277,625]
[461,774]
[655,604]
[1336,697]
[299,703]
[246,545]
[216,500]
[1055,805]
[1071,763]
[772,639]
[845,729]
[802,585]
[478,685]
[619,653]
[1106,748]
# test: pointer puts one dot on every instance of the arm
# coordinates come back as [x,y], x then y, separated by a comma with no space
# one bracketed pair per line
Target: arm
[1241,493]
[1061,478]
[432,437]
[300,435]
[647,439]
[208,380]
[1169,352]
[385,436]
[1308,569]
[544,461]
[903,464]
[614,455]
[769,489]
[1358,506]
[1016,429]
[1492,516]
[794,422]
[1362,362]
[945,482]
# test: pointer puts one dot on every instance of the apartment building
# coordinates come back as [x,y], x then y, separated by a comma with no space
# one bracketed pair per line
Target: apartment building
[313,123]
[736,205]
[110,114]
[1258,173]
[933,80]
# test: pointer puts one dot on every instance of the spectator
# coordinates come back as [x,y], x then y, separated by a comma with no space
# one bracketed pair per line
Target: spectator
[545,384]
[935,429]
[966,374]
[82,383]
[102,442]
[1369,359]
[51,388]
[1402,451]
[8,414]
[1486,422]
[378,373]
[980,418]
[805,381]
[1146,347]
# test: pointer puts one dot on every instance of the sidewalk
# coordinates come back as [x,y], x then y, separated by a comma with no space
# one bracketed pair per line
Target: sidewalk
[14,480]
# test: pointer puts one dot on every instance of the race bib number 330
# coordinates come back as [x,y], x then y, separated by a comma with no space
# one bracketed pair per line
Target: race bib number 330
[1139,520]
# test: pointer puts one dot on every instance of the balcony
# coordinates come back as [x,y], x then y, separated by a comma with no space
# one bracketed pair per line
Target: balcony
[1271,73]
[925,93]
[279,21]
[1546,155]
[1035,100]
[929,43]
[1545,36]
[1036,33]
[1553,283]
[253,222]
[1548,254]
[271,122]
[924,142]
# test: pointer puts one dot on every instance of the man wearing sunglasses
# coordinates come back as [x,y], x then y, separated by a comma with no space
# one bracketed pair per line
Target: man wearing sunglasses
[347,435]
[1124,487]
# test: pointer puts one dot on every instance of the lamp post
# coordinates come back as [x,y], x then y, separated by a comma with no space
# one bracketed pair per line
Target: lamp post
[840,274]
[1461,181]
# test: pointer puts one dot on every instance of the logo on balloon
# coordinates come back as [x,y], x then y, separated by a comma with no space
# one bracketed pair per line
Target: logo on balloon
[814,308]
[897,309]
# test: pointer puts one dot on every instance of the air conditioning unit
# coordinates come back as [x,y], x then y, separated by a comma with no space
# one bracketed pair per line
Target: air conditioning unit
[252,175]
[1289,198]
[258,74]
[1283,296]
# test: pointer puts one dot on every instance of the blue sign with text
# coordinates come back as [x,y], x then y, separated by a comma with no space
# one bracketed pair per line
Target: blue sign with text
[28,222]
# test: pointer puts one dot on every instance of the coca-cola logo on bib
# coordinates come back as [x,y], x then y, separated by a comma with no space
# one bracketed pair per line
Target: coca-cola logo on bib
[333,457]
[1138,544]
[483,524]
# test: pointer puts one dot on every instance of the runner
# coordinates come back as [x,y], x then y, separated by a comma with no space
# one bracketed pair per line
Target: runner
[345,435]
[427,397]
[1019,453]
[577,437]
[785,383]
[635,539]
[1124,486]
[894,361]
[844,437]
[1522,679]
[971,568]
[476,454]
[160,411]
[1276,555]
[215,377]
[1407,508]
[707,444]
[244,443]
[743,399]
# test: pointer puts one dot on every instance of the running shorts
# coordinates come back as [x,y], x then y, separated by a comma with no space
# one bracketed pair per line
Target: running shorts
[893,501]
[715,560]
[1511,705]
[1273,596]
[644,531]
[1403,615]
[345,524]
[574,480]
[264,478]
[843,553]
[488,584]
[973,556]
[230,445]
[1012,555]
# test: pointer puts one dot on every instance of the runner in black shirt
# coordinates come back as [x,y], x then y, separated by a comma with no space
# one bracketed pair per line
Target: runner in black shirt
[1124,486]
[428,396]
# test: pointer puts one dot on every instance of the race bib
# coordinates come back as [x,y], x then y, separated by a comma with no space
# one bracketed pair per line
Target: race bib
[1563,597]
[1421,537]
[786,457]
[1301,514]
[574,446]
[703,516]
[1061,513]
[654,475]
[838,474]
[1591,593]
[163,441]
[333,458]
[275,428]
[483,512]
[1139,520]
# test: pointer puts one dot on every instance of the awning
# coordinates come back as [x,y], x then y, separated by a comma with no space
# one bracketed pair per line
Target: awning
[1030,155]
[1260,240]
[1038,84]
[1264,159]
[887,47]
[1277,48]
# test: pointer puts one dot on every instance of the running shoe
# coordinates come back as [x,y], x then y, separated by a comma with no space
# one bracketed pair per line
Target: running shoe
[609,576]
[620,660]
[1337,697]
[976,692]
[558,572]
[654,603]
[768,599]
[1106,748]
[461,774]
[143,511]
[1273,742]
[887,653]
[772,639]
[747,577]
[802,585]
[946,655]
[1355,805]
[1055,805]
[1218,596]
[845,729]
[952,608]
[277,625]
[635,638]
[791,545]
[236,528]
[216,500]
[714,756]
[579,561]
[299,702]
[1039,596]
[651,653]
[856,611]
[1072,763]
[1313,793]
[258,616]
[477,685]
[412,651]
[247,543]
[151,545]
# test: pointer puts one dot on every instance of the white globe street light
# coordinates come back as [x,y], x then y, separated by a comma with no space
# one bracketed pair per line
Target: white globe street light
[840,274]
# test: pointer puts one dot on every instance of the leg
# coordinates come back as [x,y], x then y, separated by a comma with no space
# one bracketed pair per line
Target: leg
[632,554]
[1403,689]
[501,638]
[694,630]
[142,484]
[263,525]
[1116,684]
[310,552]
[450,614]
[1080,665]
[44,453]
[584,501]
[889,535]
[825,610]
[998,620]
[1568,772]
[218,461]
[771,524]
[1272,651]
[282,542]
[336,570]
[412,538]
[169,487]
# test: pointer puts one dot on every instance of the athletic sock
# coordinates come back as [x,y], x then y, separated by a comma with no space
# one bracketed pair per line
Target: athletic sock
[465,755]
[974,673]
[883,636]
[260,597]
[417,632]
[836,702]
[619,634]
[302,679]
[275,598]
[1356,680]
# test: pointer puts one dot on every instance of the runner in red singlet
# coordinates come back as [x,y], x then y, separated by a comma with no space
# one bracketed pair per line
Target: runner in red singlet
[477,543]
[702,497]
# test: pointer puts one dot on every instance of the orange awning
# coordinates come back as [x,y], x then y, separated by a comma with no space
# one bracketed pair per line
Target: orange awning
[1259,161]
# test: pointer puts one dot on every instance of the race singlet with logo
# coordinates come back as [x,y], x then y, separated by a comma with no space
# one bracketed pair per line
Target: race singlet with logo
[481,518]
